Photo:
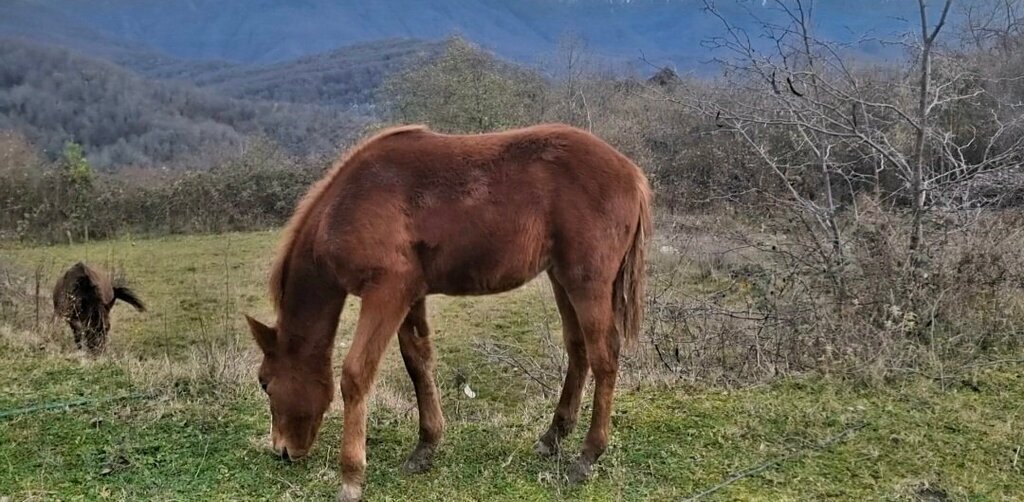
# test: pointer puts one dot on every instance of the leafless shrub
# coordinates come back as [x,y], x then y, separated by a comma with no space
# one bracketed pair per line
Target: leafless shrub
[222,364]
[26,310]
[750,303]
[876,202]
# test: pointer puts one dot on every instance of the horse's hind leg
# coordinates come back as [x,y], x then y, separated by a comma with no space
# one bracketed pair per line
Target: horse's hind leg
[97,329]
[95,341]
[380,316]
[418,354]
[593,306]
[568,407]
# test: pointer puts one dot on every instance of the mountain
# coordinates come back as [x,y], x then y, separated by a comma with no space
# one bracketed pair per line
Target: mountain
[270,31]
[53,95]
[344,77]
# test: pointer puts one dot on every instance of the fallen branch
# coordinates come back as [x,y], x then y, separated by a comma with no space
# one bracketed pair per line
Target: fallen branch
[503,353]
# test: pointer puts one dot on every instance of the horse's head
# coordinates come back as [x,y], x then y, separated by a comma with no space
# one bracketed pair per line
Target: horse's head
[299,390]
[90,322]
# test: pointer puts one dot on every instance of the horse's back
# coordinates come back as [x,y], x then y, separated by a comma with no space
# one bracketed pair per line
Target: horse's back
[81,286]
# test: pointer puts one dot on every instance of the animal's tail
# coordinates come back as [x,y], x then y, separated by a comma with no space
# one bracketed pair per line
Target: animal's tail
[632,279]
[128,296]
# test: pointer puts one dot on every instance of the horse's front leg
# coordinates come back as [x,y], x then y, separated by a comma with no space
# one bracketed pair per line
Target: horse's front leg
[381,313]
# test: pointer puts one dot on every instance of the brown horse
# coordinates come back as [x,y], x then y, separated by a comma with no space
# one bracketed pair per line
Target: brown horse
[83,297]
[409,213]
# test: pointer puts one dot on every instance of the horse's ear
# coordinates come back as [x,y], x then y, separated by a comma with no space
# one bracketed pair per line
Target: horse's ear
[265,336]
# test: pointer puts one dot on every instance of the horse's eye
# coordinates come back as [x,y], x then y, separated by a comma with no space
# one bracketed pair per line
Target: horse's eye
[263,385]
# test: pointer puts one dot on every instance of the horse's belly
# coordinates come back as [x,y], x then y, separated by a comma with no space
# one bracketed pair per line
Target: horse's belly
[491,247]
[486,269]
[479,289]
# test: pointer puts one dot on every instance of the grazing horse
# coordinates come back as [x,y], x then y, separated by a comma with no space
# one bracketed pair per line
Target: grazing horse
[83,297]
[409,213]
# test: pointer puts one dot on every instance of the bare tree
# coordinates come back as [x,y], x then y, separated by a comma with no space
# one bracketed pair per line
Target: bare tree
[570,67]
[994,25]
[811,112]
[917,181]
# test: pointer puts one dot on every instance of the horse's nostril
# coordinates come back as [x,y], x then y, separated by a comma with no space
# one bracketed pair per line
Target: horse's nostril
[284,454]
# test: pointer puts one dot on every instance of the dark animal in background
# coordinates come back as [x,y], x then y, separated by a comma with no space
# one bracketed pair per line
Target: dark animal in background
[83,297]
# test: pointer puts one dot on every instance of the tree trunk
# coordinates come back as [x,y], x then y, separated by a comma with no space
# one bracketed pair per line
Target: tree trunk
[918,190]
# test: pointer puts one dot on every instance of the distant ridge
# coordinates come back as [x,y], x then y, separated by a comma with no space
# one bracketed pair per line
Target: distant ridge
[236,31]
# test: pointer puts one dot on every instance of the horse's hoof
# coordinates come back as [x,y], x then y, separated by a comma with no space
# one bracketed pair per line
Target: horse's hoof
[350,493]
[543,449]
[580,472]
[420,460]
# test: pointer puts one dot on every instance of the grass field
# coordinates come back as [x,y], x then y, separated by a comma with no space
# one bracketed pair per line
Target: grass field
[193,424]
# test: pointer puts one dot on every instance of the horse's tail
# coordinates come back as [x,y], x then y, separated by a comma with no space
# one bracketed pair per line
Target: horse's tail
[128,296]
[632,279]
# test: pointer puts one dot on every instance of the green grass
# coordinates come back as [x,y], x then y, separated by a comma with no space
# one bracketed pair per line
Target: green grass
[202,433]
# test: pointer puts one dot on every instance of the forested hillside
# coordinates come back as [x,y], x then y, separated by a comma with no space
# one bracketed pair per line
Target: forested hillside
[344,77]
[54,96]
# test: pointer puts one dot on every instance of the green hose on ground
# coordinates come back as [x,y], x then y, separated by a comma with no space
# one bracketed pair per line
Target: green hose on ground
[65,405]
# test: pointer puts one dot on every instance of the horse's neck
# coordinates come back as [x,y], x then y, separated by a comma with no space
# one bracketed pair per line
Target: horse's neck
[308,315]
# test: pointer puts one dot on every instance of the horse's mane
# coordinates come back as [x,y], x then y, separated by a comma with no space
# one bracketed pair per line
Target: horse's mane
[279,271]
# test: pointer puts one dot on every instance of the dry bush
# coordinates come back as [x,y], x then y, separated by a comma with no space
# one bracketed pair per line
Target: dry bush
[221,364]
[749,302]
[962,304]
[26,311]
